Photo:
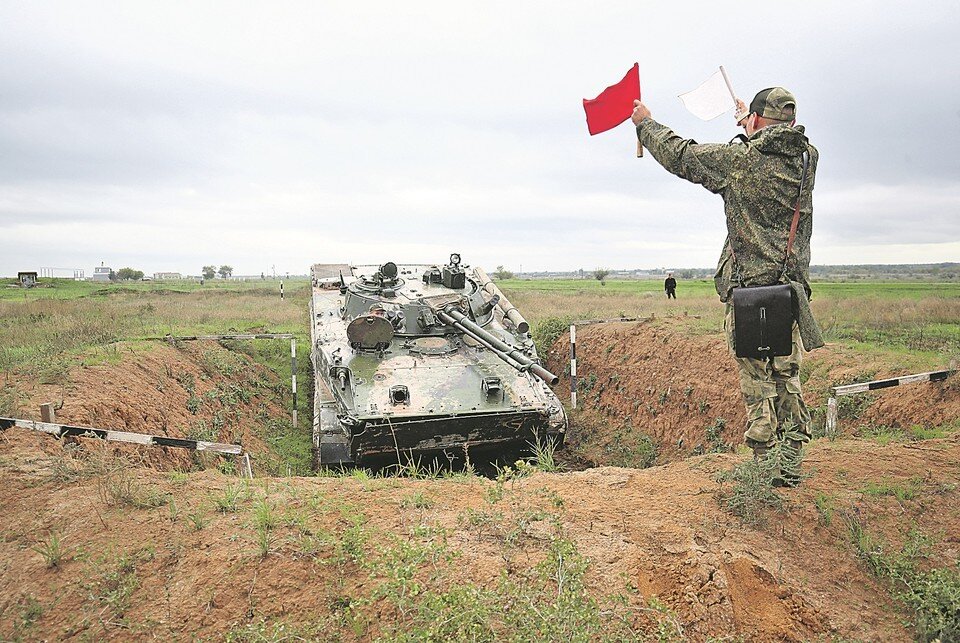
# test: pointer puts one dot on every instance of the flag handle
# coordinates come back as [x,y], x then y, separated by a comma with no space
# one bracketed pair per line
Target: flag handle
[639,150]
[726,79]
[733,95]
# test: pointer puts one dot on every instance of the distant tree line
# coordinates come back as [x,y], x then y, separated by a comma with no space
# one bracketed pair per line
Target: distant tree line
[209,272]
[126,274]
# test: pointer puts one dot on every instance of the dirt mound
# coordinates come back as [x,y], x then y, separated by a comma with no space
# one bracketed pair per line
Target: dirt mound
[198,390]
[655,380]
[353,556]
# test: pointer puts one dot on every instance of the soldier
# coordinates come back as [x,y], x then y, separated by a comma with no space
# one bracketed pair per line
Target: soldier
[670,286]
[758,176]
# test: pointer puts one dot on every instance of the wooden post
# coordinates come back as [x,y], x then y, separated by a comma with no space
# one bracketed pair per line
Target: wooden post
[573,366]
[48,413]
[830,429]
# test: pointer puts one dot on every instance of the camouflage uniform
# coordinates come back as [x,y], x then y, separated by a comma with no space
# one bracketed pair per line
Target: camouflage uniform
[758,178]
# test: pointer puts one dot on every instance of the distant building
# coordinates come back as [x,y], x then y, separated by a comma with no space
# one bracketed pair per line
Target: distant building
[27,279]
[102,273]
[167,275]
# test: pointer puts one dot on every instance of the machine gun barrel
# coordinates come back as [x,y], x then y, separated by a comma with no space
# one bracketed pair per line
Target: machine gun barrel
[509,310]
[510,354]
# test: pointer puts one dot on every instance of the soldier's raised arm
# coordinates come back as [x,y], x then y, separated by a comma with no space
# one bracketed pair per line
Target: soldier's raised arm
[708,165]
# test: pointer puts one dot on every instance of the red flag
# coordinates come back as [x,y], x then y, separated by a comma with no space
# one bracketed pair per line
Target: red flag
[614,104]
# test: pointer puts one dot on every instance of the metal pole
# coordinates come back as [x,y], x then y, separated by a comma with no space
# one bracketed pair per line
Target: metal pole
[293,377]
[573,366]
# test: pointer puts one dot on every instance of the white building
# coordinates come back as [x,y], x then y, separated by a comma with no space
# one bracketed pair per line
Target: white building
[102,273]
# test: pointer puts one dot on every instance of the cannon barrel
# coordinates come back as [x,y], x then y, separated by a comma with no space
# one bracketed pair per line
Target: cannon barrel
[510,354]
[509,310]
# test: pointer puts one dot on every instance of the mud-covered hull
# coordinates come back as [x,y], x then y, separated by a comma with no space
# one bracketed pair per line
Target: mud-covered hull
[383,441]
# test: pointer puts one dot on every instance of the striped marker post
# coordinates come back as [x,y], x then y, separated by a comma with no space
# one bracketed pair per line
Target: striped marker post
[864,387]
[281,290]
[573,366]
[293,377]
[65,430]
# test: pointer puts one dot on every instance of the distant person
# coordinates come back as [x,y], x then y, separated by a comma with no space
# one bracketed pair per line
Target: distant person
[670,286]
[758,176]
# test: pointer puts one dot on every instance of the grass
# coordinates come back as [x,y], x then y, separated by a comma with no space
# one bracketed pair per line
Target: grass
[932,594]
[230,498]
[117,486]
[902,491]
[51,549]
[920,317]
[825,504]
[113,580]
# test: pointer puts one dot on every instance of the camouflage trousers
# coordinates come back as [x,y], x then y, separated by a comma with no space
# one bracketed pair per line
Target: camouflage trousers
[771,391]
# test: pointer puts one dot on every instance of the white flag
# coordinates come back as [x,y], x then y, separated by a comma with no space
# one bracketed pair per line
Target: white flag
[711,99]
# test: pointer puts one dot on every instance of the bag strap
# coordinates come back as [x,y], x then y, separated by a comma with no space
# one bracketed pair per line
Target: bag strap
[793,224]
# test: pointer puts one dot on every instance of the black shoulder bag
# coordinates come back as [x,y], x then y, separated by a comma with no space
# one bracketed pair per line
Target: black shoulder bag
[763,315]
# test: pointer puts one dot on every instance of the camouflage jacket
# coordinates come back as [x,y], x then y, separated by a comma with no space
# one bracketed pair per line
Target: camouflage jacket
[758,178]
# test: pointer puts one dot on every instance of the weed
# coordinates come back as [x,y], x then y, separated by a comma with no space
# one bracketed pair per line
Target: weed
[825,507]
[416,500]
[10,401]
[115,581]
[752,491]
[30,611]
[546,332]
[51,549]
[193,404]
[714,435]
[882,434]
[174,511]
[179,478]
[117,486]
[902,491]
[231,496]
[198,519]
[350,545]
[933,595]
[918,432]
[543,455]
[630,448]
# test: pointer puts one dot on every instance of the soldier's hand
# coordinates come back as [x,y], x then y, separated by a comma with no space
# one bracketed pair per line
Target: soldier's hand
[640,112]
[741,113]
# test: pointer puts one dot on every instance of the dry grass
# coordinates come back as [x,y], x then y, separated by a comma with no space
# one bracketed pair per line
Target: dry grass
[41,335]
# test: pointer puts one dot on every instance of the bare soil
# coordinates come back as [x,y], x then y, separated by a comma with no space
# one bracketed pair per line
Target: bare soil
[192,390]
[145,572]
[654,378]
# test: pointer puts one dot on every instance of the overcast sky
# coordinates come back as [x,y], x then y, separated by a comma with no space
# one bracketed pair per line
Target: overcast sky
[165,136]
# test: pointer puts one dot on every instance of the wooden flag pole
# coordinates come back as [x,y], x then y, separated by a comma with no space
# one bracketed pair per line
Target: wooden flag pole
[639,149]
[733,94]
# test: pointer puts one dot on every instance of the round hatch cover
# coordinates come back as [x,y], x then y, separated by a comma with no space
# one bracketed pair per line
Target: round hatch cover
[370,332]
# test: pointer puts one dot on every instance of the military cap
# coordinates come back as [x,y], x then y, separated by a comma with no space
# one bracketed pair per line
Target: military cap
[775,103]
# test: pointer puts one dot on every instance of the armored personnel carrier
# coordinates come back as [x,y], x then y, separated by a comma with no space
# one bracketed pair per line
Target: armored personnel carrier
[416,361]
